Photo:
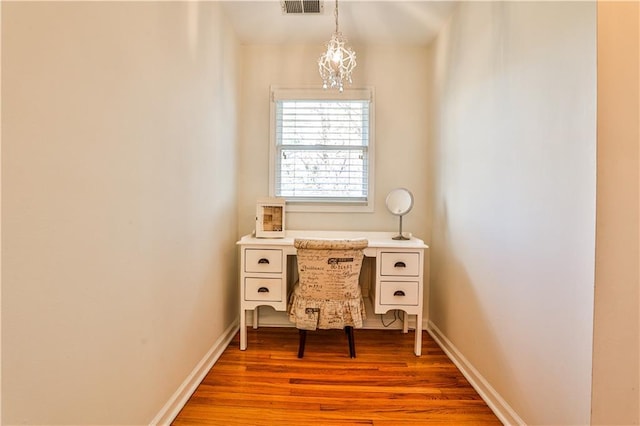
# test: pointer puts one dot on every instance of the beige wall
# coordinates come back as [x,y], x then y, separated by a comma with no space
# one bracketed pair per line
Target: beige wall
[118,205]
[615,355]
[514,159]
[401,92]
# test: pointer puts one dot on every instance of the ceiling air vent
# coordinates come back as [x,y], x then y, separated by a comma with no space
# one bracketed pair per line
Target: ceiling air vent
[302,6]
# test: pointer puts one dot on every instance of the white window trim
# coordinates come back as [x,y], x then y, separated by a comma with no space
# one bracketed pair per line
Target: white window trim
[316,93]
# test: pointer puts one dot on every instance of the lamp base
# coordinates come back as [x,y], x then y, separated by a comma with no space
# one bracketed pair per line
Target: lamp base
[400,237]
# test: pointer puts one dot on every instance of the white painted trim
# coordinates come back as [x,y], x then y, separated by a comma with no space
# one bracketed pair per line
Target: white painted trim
[498,405]
[364,93]
[170,410]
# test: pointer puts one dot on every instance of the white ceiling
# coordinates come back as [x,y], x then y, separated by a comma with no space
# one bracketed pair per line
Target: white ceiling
[362,22]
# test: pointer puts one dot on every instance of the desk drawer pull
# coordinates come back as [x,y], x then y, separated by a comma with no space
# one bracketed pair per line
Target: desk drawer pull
[263,260]
[264,289]
[398,293]
[402,264]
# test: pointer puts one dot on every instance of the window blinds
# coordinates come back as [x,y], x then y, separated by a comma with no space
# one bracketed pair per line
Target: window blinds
[322,149]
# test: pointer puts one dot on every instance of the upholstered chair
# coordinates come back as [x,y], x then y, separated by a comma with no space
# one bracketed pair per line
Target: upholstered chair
[327,294]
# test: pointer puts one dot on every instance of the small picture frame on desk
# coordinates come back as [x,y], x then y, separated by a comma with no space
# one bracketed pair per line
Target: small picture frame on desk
[270,217]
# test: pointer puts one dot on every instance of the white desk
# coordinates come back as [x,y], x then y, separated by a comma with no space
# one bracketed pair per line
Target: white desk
[399,282]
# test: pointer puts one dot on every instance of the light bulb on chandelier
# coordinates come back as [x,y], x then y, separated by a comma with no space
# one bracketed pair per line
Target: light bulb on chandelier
[337,63]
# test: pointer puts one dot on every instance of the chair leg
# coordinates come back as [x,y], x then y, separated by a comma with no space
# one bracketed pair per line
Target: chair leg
[303,340]
[352,344]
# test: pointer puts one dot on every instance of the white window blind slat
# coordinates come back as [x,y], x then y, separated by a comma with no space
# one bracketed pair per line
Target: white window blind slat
[322,149]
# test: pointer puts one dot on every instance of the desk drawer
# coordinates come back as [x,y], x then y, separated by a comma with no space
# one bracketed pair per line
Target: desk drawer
[400,264]
[399,293]
[263,260]
[269,289]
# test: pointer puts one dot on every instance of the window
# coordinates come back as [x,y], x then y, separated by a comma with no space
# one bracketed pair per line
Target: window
[322,150]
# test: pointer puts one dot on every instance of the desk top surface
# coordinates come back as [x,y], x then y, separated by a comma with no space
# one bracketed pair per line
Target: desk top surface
[376,239]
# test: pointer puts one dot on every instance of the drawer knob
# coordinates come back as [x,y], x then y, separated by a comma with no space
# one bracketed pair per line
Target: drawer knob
[263,290]
[263,261]
[400,265]
[398,293]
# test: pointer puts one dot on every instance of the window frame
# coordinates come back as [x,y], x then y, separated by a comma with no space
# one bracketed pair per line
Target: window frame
[323,205]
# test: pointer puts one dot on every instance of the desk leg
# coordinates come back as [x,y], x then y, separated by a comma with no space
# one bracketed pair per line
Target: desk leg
[243,329]
[405,323]
[255,317]
[418,344]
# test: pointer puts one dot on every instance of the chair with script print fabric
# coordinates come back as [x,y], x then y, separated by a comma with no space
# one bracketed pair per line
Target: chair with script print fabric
[327,294]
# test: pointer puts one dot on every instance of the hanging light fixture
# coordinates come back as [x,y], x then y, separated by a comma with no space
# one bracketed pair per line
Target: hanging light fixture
[336,64]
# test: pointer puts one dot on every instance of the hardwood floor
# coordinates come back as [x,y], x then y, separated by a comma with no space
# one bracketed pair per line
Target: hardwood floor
[386,384]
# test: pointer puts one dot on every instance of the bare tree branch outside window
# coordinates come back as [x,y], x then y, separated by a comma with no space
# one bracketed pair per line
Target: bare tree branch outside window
[323,149]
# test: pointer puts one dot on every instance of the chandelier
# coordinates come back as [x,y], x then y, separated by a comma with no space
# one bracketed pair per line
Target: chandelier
[336,64]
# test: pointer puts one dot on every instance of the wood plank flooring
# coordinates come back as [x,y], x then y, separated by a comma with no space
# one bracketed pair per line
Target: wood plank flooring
[386,384]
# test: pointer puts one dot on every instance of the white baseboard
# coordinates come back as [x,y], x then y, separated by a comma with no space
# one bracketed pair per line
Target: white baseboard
[180,397]
[498,405]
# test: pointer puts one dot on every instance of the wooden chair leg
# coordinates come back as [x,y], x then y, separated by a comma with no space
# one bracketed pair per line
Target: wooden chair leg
[352,345]
[303,340]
